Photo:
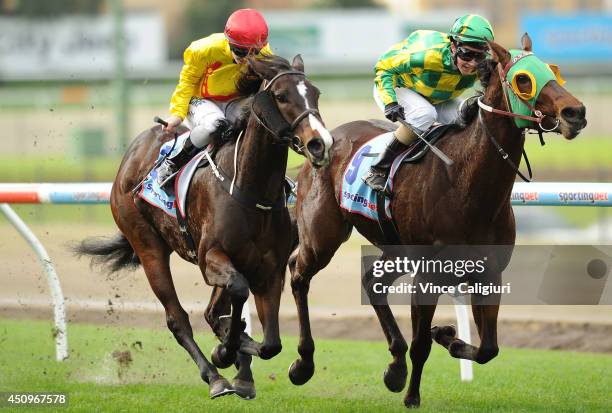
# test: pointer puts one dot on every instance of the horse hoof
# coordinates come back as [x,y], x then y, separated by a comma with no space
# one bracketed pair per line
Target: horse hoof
[222,358]
[220,387]
[438,332]
[395,378]
[300,372]
[457,348]
[244,389]
[412,402]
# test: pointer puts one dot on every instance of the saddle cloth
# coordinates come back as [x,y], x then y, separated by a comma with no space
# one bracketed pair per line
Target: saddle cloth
[175,197]
[358,198]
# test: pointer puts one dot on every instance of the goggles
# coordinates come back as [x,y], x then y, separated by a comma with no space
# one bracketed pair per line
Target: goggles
[242,52]
[468,55]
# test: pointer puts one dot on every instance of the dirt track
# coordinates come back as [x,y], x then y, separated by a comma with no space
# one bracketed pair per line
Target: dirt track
[335,298]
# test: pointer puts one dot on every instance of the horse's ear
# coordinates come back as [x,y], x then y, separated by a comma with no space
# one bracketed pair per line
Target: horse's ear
[526,42]
[298,63]
[499,54]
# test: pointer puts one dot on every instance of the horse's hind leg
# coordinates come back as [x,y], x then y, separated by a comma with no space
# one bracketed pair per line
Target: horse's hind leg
[218,309]
[155,257]
[419,350]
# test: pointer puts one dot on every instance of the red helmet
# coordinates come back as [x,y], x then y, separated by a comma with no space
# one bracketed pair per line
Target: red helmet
[247,28]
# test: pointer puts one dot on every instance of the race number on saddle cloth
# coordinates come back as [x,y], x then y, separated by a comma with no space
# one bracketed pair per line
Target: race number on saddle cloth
[358,197]
[169,198]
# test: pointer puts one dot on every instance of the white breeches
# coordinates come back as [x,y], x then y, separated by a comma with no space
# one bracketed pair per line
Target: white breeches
[203,119]
[419,113]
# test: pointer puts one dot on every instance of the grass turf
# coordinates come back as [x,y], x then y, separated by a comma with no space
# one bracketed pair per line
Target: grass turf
[161,376]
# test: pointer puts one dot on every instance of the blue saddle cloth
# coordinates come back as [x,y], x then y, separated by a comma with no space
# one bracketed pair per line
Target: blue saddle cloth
[357,197]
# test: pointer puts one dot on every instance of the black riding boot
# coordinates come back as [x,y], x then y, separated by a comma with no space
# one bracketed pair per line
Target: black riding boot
[171,165]
[376,178]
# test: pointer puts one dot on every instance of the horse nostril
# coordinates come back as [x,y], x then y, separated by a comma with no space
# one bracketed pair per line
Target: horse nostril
[316,147]
[573,114]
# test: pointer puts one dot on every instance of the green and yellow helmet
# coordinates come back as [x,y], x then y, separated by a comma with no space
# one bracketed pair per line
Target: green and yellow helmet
[472,28]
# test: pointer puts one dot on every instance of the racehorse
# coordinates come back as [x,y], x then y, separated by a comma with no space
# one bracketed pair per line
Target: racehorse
[432,204]
[242,243]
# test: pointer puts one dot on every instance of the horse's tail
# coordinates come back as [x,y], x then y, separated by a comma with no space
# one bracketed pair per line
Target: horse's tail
[113,253]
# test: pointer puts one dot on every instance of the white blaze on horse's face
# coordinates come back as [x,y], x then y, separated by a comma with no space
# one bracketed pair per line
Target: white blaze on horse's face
[316,125]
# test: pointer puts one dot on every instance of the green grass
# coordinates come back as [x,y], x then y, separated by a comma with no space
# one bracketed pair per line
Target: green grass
[348,377]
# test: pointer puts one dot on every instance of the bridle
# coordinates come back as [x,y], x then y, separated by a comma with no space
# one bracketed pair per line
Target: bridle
[288,138]
[538,117]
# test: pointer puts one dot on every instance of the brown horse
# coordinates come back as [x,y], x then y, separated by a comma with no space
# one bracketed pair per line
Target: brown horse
[240,246]
[433,204]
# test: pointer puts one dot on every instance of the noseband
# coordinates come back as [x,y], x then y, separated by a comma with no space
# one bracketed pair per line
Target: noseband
[287,138]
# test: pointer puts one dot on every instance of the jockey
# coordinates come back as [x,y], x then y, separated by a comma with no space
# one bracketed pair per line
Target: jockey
[208,82]
[420,79]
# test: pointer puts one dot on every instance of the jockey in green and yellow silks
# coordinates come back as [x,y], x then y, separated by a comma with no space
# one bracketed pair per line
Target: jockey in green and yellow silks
[420,79]
[212,66]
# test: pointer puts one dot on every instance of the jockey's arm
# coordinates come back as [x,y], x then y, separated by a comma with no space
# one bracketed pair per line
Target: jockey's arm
[189,81]
[387,70]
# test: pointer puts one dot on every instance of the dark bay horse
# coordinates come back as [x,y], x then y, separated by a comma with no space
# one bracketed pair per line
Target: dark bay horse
[434,204]
[239,247]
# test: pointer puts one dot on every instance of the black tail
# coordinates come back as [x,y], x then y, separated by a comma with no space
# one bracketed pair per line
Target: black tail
[113,253]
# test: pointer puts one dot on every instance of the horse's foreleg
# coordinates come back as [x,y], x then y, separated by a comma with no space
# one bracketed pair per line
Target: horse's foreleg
[218,307]
[485,317]
[302,369]
[419,349]
[268,304]
[220,272]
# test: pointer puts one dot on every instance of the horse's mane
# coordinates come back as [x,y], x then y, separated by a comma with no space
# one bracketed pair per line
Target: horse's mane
[485,70]
[260,67]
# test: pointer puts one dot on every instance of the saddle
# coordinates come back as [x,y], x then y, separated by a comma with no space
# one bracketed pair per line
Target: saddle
[417,151]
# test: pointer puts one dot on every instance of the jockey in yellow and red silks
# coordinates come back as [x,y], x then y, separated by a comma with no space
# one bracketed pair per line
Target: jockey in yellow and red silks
[208,82]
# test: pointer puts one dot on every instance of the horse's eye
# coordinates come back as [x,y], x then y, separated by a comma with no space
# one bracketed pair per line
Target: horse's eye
[281,97]
[523,79]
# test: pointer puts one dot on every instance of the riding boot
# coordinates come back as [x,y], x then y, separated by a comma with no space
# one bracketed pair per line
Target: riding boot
[376,178]
[171,165]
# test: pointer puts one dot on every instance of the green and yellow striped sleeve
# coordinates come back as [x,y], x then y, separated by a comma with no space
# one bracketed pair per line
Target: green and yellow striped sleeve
[391,65]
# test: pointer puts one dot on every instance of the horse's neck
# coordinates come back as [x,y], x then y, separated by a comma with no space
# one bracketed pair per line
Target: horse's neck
[490,176]
[261,164]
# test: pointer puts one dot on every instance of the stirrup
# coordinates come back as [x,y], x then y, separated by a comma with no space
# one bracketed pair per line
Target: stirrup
[167,164]
[372,174]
